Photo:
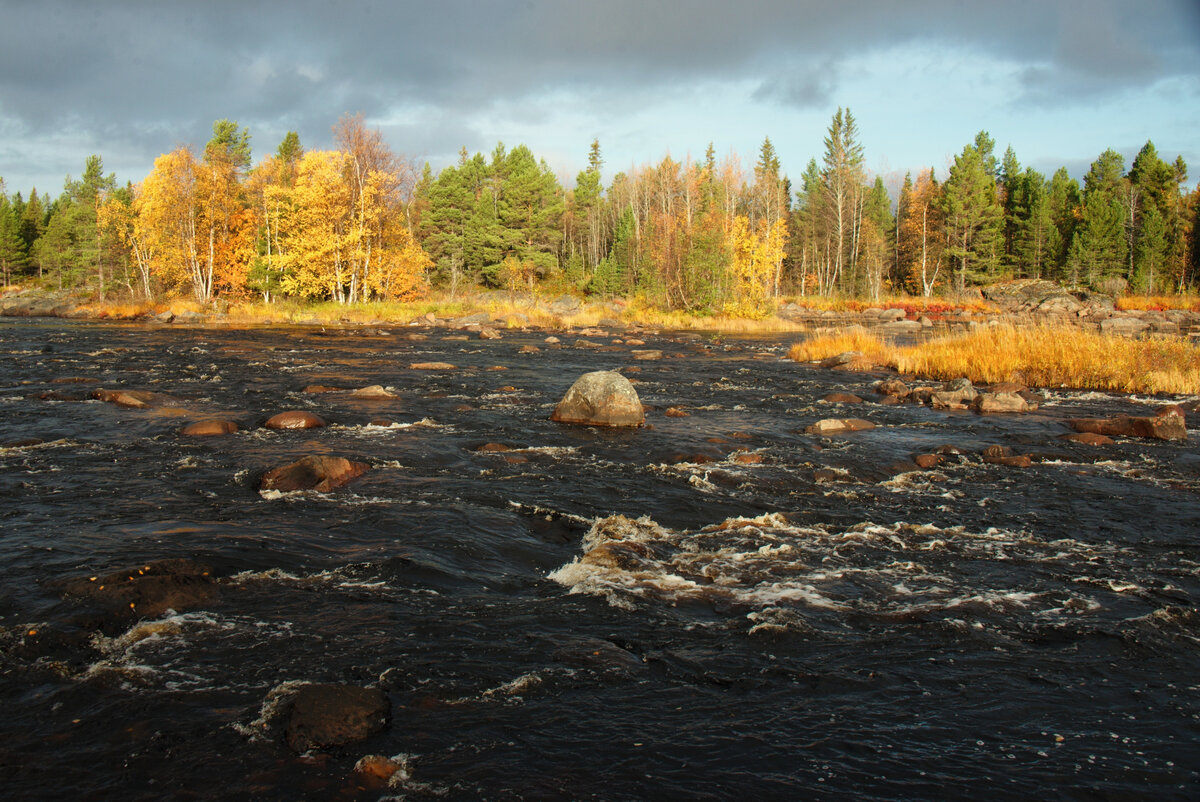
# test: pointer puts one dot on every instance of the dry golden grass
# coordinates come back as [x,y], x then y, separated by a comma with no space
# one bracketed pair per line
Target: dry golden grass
[1035,356]
[1160,303]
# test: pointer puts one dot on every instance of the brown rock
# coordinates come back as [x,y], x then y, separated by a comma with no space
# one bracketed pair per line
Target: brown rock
[321,716]
[294,419]
[208,428]
[488,333]
[1003,402]
[1016,461]
[149,589]
[1009,387]
[378,767]
[830,426]
[1087,438]
[321,388]
[492,448]
[600,398]
[747,458]
[893,387]
[133,399]
[676,412]
[373,391]
[529,349]
[842,398]
[646,355]
[320,473]
[431,366]
[927,461]
[1167,424]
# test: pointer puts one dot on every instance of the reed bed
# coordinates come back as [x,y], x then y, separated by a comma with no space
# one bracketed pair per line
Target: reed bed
[1039,356]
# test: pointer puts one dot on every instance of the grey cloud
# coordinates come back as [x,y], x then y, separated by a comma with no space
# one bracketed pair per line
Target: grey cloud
[152,73]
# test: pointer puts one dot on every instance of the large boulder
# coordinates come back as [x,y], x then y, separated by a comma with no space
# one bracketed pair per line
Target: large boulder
[600,398]
[320,473]
[322,716]
[1167,424]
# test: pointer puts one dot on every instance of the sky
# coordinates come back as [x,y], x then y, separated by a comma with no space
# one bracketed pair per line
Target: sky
[1059,81]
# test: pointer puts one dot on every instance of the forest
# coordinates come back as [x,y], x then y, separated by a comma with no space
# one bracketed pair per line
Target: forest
[362,223]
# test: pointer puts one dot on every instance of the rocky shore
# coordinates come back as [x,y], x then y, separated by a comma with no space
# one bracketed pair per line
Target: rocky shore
[1026,302]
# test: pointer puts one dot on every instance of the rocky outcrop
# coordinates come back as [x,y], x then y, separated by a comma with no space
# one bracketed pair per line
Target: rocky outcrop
[320,473]
[1167,424]
[600,398]
[295,419]
[320,716]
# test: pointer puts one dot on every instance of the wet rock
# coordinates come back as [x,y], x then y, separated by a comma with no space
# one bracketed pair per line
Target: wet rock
[415,337]
[747,458]
[587,344]
[209,428]
[647,354]
[1009,387]
[379,767]
[431,366]
[315,472]
[552,340]
[893,387]
[320,716]
[927,461]
[828,426]
[373,391]
[1003,455]
[1087,438]
[133,399]
[997,403]
[313,389]
[676,412]
[488,333]
[295,419]
[1167,424]
[597,654]
[842,398]
[529,349]
[600,398]
[956,394]
[488,448]
[149,589]
[23,443]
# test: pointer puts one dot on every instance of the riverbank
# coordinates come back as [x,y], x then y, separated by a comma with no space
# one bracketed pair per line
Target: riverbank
[1018,303]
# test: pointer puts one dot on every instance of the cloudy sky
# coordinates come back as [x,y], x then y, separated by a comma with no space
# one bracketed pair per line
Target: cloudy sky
[1059,80]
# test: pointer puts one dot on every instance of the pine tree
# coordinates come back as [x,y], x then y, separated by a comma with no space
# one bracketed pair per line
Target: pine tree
[12,248]
[1063,202]
[973,214]
[1099,249]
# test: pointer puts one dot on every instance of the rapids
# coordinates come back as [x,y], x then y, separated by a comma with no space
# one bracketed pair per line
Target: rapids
[713,606]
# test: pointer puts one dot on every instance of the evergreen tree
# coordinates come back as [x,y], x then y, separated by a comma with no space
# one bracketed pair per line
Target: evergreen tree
[1032,221]
[842,181]
[1063,201]
[32,224]
[1011,186]
[12,248]
[973,214]
[1099,250]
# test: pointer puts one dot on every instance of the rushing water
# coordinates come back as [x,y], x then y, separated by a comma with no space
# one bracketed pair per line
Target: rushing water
[714,606]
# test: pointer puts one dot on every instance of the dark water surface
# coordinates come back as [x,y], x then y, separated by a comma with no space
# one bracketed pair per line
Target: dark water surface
[807,625]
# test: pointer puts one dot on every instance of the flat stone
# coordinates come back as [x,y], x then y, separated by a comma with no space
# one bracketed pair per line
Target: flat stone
[828,426]
[431,366]
[315,472]
[373,391]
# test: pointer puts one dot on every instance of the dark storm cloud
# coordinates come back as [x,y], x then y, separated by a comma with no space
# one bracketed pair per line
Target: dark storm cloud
[128,75]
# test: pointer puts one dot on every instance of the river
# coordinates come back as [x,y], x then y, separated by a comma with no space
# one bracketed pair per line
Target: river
[789,616]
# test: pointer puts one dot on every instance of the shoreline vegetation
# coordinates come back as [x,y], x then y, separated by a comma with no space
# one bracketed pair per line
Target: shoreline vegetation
[1132,345]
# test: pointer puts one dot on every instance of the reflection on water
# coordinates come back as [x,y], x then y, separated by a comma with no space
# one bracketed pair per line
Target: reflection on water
[717,604]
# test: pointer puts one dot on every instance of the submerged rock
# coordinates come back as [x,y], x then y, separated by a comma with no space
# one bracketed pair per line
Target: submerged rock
[1088,438]
[134,399]
[842,398]
[600,398]
[431,366]
[320,473]
[321,716]
[149,589]
[373,391]
[294,419]
[209,428]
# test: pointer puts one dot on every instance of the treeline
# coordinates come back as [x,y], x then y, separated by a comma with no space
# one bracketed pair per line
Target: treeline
[357,223]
